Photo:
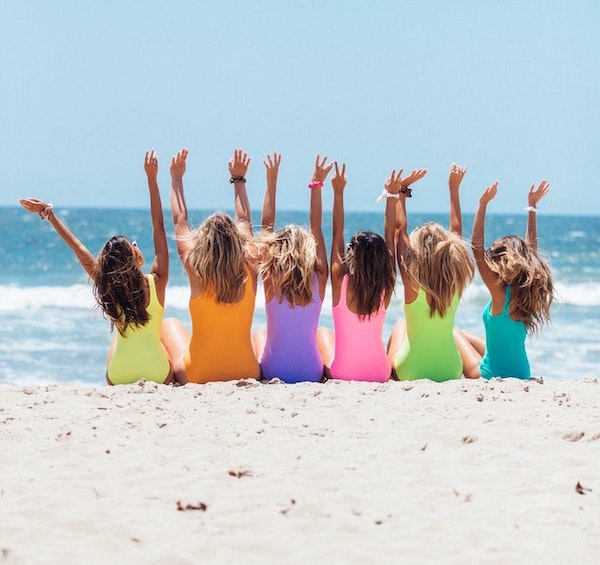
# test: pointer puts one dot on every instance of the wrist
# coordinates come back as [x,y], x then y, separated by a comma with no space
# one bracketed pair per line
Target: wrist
[47,212]
[235,179]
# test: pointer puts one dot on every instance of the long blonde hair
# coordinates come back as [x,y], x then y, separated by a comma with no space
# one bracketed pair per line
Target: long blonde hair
[288,260]
[529,277]
[372,270]
[218,258]
[440,262]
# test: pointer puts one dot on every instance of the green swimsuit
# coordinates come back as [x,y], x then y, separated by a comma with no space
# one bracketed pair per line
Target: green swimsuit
[429,350]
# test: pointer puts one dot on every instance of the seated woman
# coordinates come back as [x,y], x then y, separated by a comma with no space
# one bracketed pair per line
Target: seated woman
[131,301]
[223,279]
[294,270]
[363,276]
[436,267]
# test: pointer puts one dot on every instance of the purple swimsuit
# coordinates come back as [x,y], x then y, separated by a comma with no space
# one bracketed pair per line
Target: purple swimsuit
[291,353]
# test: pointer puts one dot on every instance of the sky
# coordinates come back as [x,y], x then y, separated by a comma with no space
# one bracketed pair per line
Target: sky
[509,88]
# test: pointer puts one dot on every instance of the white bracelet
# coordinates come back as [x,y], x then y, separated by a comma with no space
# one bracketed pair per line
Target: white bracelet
[531,209]
[386,194]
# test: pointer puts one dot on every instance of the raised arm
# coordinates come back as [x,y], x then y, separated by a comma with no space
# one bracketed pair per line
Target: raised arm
[178,204]
[238,167]
[320,172]
[46,212]
[269,203]
[338,182]
[392,188]
[160,265]
[533,197]
[455,177]
[478,244]
[411,288]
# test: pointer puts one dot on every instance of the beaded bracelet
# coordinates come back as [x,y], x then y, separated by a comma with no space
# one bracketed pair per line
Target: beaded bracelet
[45,213]
[315,184]
[238,178]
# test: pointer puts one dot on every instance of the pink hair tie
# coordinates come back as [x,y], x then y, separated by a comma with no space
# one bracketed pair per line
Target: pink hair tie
[315,184]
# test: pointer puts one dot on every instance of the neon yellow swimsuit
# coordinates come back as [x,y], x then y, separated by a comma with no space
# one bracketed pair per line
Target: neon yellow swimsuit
[429,350]
[139,353]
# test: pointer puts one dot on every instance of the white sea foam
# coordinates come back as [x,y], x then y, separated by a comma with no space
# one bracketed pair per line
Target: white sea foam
[579,294]
[34,298]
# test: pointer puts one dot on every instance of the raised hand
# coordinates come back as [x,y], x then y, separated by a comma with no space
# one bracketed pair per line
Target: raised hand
[536,194]
[34,205]
[178,162]
[321,169]
[394,183]
[456,175]
[338,181]
[238,164]
[272,167]
[489,193]
[151,165]
[415,175]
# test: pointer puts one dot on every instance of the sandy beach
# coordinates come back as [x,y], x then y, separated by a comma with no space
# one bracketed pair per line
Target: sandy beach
[244,472]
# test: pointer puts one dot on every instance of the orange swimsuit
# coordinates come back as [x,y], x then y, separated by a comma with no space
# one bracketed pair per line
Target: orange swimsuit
[220,348]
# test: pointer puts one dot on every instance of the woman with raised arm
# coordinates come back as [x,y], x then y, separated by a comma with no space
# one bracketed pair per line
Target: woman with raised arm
[223,278]
[131,301]
[521,288]
[435,266]
[294,271]
[363,276]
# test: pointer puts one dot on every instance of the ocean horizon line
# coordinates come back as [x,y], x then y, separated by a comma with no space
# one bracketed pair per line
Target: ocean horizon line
[348,210]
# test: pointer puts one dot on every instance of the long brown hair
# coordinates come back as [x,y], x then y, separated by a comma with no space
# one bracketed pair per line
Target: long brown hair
[120,285]
[218,258]
[372,269]
[440,262]
[529,277]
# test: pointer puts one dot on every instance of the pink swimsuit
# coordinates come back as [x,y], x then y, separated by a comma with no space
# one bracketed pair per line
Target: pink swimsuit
[359,352]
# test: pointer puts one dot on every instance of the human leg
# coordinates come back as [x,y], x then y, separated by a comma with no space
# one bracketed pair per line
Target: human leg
[326,345]
[469,354]
[476,341]
[259,340]
[395,341]
[176,339]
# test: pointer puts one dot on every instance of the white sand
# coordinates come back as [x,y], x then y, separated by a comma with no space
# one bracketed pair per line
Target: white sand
[460,472]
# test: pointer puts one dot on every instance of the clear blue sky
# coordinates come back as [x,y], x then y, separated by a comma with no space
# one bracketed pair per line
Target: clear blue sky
[511,88]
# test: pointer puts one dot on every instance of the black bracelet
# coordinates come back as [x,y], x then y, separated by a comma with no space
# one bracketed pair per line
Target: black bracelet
[405,190]
[238,178]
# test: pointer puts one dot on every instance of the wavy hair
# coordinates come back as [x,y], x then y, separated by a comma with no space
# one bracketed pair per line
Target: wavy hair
[288,259]
[218,258]
[529,276]
[440,262]
[120,285]
[373,271]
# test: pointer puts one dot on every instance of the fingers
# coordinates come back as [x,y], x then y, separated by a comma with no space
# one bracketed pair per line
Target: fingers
[33,204]
[272,162]
[458,169]
[150,159]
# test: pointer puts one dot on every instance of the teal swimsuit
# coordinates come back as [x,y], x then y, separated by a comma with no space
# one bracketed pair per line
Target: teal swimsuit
[505,354]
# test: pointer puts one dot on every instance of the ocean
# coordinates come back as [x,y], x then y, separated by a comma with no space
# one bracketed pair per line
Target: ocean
[51,331]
